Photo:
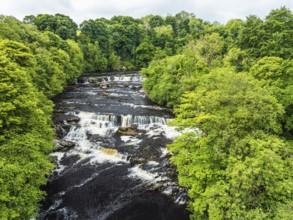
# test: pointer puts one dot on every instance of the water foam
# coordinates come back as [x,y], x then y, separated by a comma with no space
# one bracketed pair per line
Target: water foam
[137,173]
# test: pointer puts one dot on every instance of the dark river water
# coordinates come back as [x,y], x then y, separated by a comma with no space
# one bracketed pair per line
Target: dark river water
[112,163]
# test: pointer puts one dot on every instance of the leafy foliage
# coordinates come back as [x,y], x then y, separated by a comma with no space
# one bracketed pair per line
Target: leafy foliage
[21,177]
[34,66]
[272,37]
[234,168]
[237,161]
[59,24]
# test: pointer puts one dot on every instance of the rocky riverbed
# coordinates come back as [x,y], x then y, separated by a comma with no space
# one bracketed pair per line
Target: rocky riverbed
[111,158]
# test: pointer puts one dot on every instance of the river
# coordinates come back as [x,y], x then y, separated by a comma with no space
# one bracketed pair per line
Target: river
[112,162]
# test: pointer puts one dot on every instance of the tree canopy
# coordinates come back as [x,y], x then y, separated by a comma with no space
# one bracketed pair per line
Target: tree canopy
[230,84]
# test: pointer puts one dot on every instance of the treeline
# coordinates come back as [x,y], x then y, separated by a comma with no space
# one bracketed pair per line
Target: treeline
[233,85]
[123,42]
[34,67]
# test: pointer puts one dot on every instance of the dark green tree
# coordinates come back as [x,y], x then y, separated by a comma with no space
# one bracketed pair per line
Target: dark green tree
[233,163]
[59,24]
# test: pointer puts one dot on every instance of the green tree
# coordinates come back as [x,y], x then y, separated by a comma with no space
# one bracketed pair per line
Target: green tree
[234,166]
[209,48]
[232,30]
[96,31]
[23,108]
[163,36]
[196,27]
[26,137]
[277,75]
[93,59]
[126,34]
[167,79]
[156,21]
[21,176]
[278,28]
[75,65]
[59,24]
[144,54]
[114,62]
[271,37]
[237,58]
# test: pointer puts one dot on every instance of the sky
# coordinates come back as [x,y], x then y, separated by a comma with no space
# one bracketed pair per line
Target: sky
[80,10]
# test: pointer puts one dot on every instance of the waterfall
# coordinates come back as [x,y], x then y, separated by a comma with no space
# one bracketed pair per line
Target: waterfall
[118,166]
[104,79]
[100,123]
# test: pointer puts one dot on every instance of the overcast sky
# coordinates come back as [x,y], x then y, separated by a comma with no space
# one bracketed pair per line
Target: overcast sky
[80,10]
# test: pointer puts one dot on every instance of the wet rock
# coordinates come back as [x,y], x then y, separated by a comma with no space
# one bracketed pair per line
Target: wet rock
[59,110]
[69,160]
[135,87]
[126,85]
[66,127]
[73,119]
[61,130]
[151,153]
[166,163]
[109,151]
[136,160]
[104,85]
[63,145]
[130,131]
[81,80]
[94,80]
[54,160]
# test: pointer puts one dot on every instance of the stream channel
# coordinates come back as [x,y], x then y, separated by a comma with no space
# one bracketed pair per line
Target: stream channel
[112,162]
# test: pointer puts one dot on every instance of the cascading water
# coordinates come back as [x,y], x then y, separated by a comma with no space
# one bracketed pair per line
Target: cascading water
[113,163]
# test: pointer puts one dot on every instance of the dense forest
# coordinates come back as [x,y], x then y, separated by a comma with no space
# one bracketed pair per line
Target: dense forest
[231,88]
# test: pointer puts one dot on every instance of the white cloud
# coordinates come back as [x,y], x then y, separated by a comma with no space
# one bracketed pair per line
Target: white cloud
[79,10]
[224,10]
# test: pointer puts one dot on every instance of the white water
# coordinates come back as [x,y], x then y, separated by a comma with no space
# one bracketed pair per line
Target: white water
[96,143]
[106,124]
[148,177]
[59,155]
[103,124]
[122,78]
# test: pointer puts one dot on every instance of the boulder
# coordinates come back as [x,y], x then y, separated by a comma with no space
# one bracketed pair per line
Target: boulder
[81,80]
[130,131]
[93,80]
[61,130]
[104,85]
[149,152]
[73,119]
[137,160]
[59,110]
[63,145]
